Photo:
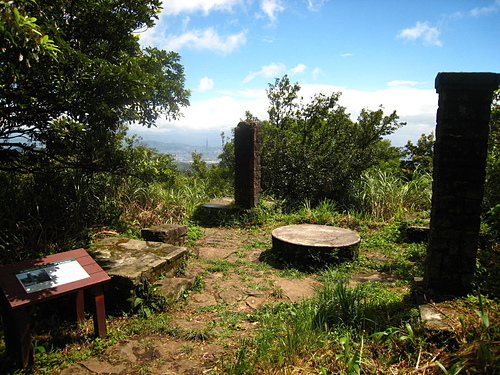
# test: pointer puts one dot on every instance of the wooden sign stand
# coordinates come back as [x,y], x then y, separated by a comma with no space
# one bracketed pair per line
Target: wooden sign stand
[26,283]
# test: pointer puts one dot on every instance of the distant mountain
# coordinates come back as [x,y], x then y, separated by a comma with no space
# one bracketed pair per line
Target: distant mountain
[181,143]
[182,152]
[197,138]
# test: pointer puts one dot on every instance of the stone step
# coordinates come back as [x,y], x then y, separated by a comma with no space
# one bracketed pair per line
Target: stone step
[416,233]
[173,234]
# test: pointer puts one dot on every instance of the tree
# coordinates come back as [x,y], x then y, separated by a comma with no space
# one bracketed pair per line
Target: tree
[418,157]
[313,150]
[70,105]
[72,78]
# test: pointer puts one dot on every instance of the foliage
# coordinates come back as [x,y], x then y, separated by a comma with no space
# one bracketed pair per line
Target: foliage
[24,43]
[76,105]
[60,208]
[313,150]
[418,158]
[493,221]
[492,193]
[227,156]
[217,178]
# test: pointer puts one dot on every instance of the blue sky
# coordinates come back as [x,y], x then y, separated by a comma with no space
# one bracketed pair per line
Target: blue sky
[375,52]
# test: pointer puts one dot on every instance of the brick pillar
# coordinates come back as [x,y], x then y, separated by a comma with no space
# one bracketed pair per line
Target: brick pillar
[458,179]
[247,152]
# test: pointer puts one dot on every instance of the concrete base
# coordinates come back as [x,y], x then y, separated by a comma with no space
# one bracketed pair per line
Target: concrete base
[309,246]
[221,211]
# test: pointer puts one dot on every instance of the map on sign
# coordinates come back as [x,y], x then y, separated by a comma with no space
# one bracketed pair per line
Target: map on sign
[50,275]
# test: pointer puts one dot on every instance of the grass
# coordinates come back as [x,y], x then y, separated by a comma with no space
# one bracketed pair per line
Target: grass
[335,333]
[372,328]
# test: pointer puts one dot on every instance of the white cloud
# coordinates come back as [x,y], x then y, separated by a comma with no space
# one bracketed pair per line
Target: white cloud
[300,68]
[415,106]
[422,30]
[221,113]
[346,55]
[185,23]
[174,7]
[315,5]
[493,8]
[271,8]
[268,71]
[404,84]
[207,39]
[315,73]
[205,84]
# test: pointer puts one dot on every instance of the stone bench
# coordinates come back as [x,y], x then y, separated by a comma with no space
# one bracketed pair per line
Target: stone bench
[130,262]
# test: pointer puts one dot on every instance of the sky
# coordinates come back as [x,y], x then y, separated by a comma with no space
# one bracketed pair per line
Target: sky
[375,52]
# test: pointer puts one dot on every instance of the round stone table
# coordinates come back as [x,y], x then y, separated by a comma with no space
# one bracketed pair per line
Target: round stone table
[310,246]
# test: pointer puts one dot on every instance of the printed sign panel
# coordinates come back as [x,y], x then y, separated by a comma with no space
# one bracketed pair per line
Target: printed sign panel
[51,274]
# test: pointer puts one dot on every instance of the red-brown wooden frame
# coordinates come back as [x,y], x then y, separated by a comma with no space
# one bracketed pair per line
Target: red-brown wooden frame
[16,303]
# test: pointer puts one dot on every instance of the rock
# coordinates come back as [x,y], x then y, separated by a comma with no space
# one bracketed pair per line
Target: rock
[99,367]
[220,203]
[173,234]
[174,288]
[256,302]
[297,289]
[214,253]
[76,370]
[432,318]
[373,276]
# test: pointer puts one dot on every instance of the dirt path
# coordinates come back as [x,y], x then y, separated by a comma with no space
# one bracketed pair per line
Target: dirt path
[208,327]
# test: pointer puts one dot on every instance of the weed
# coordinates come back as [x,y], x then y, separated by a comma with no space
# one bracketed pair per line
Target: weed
[219,265]
[277,292]
[291,273]
[350,356]
[197,335]
[198,283]
[242,365]
[388,197]
[146,299]
[194,233]
[337,305]
[453,370]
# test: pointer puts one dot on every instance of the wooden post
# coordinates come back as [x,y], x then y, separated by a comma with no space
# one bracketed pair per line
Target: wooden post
[99,309]
[80,306]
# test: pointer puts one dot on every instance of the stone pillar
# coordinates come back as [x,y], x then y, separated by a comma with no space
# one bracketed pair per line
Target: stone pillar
[247,152]
[458,179]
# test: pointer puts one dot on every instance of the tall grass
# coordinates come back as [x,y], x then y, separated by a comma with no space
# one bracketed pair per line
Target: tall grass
[326,331]
[388,197]
[149,204]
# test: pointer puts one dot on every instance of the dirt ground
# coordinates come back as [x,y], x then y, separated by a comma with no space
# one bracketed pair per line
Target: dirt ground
[211,324]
